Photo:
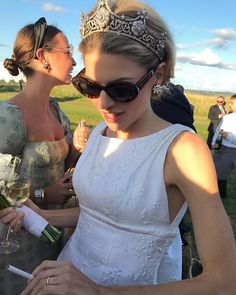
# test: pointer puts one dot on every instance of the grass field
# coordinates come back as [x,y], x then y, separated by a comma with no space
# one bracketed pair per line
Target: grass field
[78,108]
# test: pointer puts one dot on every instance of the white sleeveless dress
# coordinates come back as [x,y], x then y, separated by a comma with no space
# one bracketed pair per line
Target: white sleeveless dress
[123,235]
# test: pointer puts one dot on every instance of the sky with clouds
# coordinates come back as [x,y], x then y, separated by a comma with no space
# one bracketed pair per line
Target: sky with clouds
[204,32]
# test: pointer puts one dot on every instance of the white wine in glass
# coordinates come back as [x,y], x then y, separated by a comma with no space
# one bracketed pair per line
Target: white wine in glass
[17,191]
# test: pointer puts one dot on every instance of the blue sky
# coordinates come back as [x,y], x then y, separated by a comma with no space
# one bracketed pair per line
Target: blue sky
[204,32]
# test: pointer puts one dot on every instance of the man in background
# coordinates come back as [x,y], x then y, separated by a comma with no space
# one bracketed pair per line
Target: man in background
[215,114]
[225,157]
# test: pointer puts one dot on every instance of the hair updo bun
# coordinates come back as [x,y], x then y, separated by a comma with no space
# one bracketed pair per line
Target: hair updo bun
[11,65]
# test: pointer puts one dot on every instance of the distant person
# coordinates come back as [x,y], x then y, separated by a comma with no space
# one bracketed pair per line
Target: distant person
[172,105]
[215,114]
[225,157]
[181,88]
[230,109]
[21,83]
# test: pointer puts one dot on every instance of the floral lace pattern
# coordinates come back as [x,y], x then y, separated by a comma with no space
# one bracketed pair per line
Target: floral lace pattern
[123,235]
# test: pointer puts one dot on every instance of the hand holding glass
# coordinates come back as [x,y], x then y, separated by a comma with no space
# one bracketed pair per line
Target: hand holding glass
[16,192]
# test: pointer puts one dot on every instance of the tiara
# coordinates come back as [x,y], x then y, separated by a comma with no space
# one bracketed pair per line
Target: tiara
[103,20]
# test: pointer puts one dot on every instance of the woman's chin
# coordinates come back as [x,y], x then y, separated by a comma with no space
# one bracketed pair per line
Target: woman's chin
[68,80]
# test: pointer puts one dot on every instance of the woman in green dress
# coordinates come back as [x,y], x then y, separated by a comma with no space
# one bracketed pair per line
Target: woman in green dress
[33,126]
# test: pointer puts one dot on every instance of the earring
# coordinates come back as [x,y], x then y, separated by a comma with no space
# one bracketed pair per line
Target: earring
[161,89]
[156,89]
[47,66]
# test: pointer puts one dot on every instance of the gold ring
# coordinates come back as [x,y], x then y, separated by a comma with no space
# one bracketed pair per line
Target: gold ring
[47,281]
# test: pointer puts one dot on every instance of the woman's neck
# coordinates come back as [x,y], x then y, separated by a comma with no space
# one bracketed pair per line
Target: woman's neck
[35,94]
[148,125]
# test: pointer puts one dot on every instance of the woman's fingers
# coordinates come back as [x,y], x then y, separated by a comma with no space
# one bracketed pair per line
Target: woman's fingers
[9,215]
[34,286]
[80,137]
[48,265]
[16,224]
[5,212]
[59,278]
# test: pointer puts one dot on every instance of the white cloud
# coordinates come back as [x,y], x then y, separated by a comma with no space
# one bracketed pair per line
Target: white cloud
[48,6]
[205,78]
[216,42]
[205,58]
[225,33]
[4,75]
[222,38]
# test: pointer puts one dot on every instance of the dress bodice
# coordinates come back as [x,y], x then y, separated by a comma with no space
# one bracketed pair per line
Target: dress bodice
[124,235]
[45,158]
[46,161]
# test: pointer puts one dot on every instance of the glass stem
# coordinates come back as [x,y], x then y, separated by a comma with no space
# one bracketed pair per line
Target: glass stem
[6,235]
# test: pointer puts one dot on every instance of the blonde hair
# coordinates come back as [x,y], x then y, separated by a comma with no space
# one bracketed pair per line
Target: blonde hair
[110,42]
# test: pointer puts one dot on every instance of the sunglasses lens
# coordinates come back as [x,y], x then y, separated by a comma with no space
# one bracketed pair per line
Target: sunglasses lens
[86,87]
[122,92]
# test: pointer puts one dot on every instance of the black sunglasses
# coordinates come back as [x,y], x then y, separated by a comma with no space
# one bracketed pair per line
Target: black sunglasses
[117,91]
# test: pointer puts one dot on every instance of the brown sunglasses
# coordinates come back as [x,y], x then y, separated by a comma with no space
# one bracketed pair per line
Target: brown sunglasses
[118,91]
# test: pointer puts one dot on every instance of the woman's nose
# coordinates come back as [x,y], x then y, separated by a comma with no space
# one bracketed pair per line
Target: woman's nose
[105,101]
[73,62]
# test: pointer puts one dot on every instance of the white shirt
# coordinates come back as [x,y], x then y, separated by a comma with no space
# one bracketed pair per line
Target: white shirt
[228,124]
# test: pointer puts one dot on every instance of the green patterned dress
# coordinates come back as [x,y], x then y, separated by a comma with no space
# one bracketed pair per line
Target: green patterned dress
[48,160]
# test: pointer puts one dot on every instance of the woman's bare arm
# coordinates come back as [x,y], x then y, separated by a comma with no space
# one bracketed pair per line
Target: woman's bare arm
[189,165]
[58,218]
[63,217]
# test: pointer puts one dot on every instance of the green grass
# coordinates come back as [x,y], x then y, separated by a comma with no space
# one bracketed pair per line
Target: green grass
[75,106]
[78,108]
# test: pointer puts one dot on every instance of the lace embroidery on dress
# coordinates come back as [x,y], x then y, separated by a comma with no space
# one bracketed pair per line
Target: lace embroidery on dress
[123,234]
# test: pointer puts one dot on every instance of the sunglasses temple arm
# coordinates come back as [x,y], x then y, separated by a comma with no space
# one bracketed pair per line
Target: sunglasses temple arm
[140,84]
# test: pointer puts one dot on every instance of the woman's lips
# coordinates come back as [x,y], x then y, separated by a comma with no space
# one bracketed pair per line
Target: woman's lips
[112,117]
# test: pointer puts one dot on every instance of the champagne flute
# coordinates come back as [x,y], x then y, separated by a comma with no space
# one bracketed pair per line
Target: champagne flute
[17,191]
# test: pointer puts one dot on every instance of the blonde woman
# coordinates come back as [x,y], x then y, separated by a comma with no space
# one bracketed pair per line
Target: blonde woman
[136,175]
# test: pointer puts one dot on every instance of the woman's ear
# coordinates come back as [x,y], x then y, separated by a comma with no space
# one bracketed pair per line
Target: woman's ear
[160,73]
[40,55]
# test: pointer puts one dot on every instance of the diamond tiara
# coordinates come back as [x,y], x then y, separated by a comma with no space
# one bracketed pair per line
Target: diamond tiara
[104,20]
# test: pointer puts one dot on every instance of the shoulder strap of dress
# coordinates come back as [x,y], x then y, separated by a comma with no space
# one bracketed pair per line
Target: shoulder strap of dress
[97,130]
